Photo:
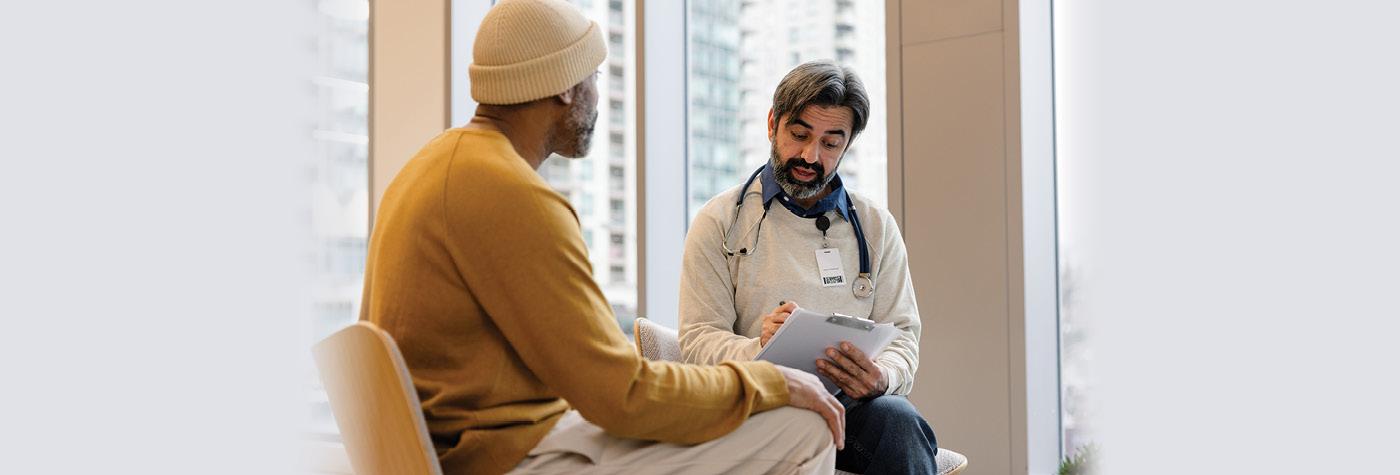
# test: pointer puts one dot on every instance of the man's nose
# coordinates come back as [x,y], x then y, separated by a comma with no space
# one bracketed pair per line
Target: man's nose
[812,152]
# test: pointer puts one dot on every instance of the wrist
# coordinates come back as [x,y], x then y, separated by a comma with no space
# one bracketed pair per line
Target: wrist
[884,384]
[774,385]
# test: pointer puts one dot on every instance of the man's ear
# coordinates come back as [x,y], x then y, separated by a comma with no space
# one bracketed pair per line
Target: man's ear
[567,97]
[772,125]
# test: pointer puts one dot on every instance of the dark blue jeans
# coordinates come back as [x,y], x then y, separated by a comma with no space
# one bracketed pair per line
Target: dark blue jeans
[886,435]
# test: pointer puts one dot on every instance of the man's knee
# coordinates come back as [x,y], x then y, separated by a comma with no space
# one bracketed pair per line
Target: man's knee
[896,413]
[806,431]
[896,405]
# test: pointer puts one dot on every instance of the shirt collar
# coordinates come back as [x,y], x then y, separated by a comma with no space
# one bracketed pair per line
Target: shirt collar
[836,200]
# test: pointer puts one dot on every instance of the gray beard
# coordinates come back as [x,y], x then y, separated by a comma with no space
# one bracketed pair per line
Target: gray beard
[793,187]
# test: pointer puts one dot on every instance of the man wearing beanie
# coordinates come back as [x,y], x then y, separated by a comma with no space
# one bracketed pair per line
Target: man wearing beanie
[479,271]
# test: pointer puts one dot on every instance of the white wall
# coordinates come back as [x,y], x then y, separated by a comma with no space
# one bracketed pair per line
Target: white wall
[154,240]
[1229,176]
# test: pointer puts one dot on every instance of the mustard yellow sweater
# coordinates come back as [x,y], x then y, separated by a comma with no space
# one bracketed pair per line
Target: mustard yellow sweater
[479,271]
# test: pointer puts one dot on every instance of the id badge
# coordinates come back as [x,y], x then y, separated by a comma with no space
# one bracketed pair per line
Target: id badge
[829,267]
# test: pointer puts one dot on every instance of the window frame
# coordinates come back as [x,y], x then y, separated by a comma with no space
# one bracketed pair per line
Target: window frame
[1040,240]
[662,185]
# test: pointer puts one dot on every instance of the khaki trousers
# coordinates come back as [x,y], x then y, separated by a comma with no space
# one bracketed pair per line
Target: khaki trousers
[781,441]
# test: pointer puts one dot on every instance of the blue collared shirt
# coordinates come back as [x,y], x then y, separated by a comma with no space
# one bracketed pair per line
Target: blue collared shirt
[836,200]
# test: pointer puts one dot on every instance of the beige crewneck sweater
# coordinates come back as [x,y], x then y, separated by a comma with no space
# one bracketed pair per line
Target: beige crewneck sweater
[723,299]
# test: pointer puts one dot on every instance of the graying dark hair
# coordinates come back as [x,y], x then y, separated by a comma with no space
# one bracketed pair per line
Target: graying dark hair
[821,83]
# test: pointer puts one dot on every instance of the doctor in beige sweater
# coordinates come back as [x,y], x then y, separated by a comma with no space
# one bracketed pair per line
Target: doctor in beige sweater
[478,269]
[799,237]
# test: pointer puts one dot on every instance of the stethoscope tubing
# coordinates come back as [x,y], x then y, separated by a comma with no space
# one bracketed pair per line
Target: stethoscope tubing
[863,286]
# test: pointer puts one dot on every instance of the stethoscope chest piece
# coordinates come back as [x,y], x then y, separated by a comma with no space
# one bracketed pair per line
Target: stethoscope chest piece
[863,287]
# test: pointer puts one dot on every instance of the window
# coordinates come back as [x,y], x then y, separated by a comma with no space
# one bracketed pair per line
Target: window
[844,8]
[585,209]
[844,31]
[615,39]
[738,53]
[616,216]
[617,249]
[615,79]
[616,115]
[616,176]
[339,176]
[1078,405]
[845,55]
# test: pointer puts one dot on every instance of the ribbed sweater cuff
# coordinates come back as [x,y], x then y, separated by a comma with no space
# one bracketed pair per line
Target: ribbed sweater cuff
[767,382]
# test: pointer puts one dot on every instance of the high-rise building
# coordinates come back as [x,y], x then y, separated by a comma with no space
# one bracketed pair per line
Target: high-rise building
[713,108]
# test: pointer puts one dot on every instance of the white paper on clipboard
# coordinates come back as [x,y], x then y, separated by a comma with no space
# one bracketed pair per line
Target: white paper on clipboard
[805,336]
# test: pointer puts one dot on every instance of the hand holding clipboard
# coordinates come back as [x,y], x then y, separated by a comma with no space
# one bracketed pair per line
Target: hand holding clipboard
[805,336]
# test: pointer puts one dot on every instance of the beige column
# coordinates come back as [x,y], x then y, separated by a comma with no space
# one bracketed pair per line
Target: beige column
[408,83]
[955,188]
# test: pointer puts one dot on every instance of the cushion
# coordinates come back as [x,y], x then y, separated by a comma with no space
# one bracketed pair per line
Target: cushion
[656,342]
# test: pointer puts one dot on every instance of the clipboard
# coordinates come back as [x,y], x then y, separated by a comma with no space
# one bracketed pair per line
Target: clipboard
[805,336]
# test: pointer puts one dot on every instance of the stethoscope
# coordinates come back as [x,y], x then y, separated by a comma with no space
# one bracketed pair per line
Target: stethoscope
[863,287]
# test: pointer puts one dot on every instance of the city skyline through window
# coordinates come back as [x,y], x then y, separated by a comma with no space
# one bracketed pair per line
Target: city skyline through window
[339,177]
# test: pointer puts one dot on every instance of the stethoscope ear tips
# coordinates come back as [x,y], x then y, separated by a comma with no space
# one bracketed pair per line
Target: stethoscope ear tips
[744,251]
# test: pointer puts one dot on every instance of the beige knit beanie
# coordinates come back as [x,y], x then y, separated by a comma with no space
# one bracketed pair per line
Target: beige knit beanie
[530,49]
